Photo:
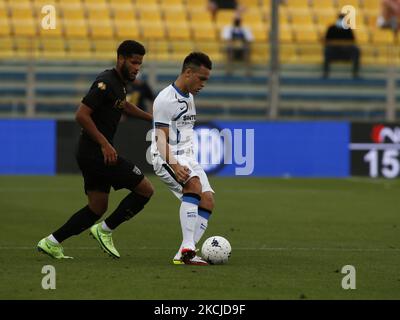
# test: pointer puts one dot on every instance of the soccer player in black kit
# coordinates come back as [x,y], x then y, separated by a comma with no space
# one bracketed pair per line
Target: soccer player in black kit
[102,168]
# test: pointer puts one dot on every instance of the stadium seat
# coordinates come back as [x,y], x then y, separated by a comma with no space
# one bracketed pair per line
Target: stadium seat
[53,48]
[7,48]
[153,30]
[212,48]
[204,32]
[157,50]
[126,29]
[79,49]
[105,49]
[180,49]
[178,31]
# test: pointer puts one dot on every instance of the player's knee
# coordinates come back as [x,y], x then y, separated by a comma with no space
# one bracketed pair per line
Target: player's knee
[193,186]
[145,188]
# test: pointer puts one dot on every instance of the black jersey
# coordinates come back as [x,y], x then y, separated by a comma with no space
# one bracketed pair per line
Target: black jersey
[106,97]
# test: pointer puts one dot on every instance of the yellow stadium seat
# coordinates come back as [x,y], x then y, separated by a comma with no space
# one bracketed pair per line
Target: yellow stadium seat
[355,3]
[324,4]
[249,3]
[7,48]
[5,28]
[302,18]
[98,13]
[75,28]
[211,48]
[73,13]
[288,53]
[298,4]
[105,49]
[382,36]
[150,16]
[224,17]
[126,29]
[306,35]
[147,3]
[362,35]
[285,34]
[260,34]
[371,6]
[153,31]
[79,49]
[310,54]
[201,18]
[178,31]
[325,19]
[176,16]
[204,32]
[53,48]
[172,2]
[180,49]
[121,5]
[124,15]
[94,3]
[101,29]
[157,50]
[252,18]
[27,47]
[260,52]
[25,28]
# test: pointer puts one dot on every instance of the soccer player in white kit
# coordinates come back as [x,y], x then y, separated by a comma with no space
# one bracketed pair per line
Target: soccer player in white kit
[173,157]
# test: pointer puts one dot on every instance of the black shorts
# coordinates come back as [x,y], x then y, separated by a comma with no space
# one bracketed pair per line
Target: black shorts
[100,177]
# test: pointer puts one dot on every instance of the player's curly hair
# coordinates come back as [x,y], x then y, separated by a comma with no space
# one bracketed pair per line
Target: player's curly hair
[130,47]
[197,59]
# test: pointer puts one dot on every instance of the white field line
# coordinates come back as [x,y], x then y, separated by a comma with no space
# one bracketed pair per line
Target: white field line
[235,249]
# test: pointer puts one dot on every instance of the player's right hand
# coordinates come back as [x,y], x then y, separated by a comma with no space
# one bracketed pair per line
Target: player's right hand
[182,172]
[110,154]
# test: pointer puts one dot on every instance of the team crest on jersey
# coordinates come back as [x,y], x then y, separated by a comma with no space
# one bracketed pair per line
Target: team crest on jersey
[101,86]
[136,171]
[119,104]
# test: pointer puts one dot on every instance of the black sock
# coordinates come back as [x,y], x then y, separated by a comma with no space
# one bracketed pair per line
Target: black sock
[80,221]
[128,208]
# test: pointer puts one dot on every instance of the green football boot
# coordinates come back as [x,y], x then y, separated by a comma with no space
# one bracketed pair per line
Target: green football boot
[104,238]
[55,251]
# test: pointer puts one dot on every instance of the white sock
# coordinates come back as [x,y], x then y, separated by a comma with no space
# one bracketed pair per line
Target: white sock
[52,239]
[201,226]
[188,218]
[105,227]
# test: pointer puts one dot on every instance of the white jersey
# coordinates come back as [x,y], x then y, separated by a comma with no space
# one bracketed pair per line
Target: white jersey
[174,109]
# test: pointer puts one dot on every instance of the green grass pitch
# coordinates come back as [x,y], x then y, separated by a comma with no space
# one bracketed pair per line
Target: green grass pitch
[290,240]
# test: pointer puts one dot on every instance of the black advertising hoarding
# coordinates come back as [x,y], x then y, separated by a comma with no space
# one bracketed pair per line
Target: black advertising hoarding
[131,141]
[375,150]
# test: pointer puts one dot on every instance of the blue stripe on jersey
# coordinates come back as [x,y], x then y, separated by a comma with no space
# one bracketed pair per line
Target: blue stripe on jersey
[186,95]
[184,110]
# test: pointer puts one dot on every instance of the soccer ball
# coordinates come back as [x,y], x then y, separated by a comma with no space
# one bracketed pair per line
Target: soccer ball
[216,250]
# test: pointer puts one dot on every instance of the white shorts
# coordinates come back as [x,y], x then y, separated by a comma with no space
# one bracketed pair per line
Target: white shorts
[167,175]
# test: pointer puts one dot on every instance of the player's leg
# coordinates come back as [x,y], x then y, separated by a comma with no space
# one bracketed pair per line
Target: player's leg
[123,175]
[206,208]
[97,193]
[188,212]
[131,205]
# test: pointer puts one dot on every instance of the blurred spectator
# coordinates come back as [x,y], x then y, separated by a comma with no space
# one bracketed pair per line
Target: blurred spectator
[390,14]
[238,44]
[140,94]
[215,5]
[340,46]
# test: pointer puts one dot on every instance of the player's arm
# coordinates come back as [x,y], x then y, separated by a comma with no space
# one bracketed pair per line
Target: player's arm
[83,117]
[162,134]
[136,112]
